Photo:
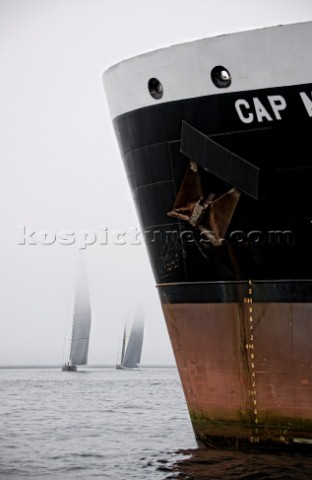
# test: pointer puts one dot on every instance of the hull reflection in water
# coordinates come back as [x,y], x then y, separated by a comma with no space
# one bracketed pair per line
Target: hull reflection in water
[204,464]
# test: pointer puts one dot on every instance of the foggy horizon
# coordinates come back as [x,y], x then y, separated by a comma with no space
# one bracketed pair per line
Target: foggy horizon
[63,173]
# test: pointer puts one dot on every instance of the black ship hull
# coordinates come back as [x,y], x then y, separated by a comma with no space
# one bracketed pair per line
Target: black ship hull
[221,184]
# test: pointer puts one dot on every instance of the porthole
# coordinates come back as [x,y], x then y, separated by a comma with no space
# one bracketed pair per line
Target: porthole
[221,77]
[155,88]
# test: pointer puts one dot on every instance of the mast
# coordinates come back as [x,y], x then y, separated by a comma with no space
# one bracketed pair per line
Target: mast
[123,344]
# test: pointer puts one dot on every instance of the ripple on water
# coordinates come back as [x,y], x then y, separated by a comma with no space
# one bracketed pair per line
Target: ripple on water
[119,427]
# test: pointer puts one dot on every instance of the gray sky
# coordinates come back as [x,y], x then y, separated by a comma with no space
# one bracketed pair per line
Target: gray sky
[61,169]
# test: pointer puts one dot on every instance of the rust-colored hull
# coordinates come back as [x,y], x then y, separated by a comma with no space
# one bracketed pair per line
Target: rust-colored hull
[247,376]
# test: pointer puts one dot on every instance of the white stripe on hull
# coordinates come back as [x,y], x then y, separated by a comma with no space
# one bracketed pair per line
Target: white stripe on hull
[265,58]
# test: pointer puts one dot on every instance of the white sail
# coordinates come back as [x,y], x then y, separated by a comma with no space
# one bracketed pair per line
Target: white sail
[81,322]
[124,338]
[132,355]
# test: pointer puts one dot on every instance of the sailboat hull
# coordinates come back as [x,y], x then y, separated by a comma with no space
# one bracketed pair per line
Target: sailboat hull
[121,367]
[69,368]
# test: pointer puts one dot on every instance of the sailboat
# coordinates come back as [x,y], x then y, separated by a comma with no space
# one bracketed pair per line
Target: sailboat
[81,325]
[132,350]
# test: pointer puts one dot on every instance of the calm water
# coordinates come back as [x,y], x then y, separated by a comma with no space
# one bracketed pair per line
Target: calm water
[109,424]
